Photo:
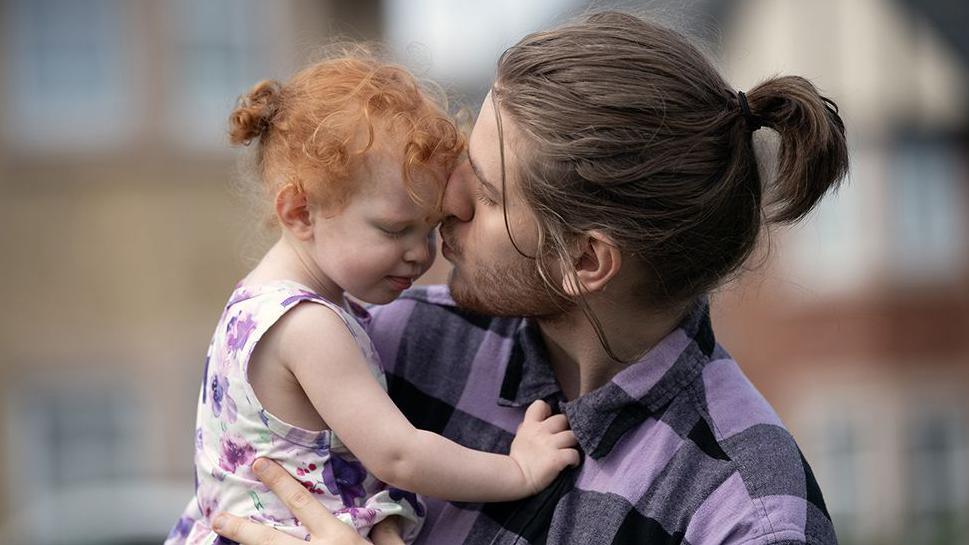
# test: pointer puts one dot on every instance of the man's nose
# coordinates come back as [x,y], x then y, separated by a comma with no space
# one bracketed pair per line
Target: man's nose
[458,201]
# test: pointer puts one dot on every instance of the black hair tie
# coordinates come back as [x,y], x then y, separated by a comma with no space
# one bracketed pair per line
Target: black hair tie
[754,122]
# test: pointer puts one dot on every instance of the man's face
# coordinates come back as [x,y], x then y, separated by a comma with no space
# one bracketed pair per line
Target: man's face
[490,276]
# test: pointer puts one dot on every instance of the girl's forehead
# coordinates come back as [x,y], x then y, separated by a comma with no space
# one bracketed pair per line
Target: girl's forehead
[389,200]
[381,177]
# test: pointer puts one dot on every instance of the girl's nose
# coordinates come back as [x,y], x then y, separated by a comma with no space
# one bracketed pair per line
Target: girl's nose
[421,251]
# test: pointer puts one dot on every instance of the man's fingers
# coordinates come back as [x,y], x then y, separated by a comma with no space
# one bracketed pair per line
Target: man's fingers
[247,532]
[304,507]
[538,411]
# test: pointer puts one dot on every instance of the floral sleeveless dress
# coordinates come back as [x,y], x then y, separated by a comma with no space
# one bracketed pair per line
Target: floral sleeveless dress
[233,429]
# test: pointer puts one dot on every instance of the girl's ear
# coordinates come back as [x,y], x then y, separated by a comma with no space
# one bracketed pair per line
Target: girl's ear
[293,211]
[596,262]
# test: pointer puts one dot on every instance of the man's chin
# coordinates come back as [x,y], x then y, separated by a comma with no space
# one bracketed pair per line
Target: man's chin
[507,295]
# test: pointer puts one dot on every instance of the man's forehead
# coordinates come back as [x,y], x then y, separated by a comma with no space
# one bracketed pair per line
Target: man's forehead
[486,144]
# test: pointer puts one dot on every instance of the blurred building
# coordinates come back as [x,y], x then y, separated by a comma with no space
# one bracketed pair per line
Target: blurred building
[122,232]
[857,326]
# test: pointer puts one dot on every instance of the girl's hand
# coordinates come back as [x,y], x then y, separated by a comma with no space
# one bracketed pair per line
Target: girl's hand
[543,446]
[323,527]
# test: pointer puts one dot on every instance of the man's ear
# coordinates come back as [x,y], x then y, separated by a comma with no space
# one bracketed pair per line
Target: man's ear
[293,211]
[596,260]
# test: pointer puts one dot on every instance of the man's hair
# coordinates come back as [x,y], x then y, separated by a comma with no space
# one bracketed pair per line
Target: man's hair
[628,129]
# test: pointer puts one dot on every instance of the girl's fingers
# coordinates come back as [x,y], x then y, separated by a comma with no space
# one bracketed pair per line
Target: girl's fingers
[569,457]
[556,423]
[564,439]
[538,411]
[247,532]
[301,503]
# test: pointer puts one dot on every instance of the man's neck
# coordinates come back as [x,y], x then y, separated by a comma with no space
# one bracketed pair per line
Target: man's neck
[579,360]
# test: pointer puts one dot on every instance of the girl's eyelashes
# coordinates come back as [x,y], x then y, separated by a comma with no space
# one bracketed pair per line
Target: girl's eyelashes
[393,232]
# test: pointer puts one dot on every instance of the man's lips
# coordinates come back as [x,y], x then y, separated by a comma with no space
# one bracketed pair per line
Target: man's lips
[447,249]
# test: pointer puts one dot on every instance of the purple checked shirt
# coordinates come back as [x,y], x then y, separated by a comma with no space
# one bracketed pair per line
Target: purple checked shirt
[678,447]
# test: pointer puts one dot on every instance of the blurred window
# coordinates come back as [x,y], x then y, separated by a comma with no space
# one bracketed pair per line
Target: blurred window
[221,48]
[77,435]
[78,445]
[840,463]
[461,41]
[939,477]
[67,76]
[927,235]
[830,252]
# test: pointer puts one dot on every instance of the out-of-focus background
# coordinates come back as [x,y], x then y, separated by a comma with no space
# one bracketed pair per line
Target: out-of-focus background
[122,233]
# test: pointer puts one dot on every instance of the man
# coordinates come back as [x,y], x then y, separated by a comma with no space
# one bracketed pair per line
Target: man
[611,183]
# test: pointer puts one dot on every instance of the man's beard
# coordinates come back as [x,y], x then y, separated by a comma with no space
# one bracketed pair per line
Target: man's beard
[503,289]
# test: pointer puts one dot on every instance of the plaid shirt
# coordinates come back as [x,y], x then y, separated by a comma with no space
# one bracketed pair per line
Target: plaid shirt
[678,447]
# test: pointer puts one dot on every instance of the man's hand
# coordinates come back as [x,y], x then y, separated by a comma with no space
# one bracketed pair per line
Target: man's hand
[323,527]
[543,446]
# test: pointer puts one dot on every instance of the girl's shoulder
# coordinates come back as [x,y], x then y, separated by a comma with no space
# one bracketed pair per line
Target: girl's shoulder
[280,305]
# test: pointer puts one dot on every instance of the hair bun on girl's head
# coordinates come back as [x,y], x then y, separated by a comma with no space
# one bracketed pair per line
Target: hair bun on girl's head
[254,112]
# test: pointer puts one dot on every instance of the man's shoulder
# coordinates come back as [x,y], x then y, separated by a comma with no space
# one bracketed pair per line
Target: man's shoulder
[721,450]
[769,487]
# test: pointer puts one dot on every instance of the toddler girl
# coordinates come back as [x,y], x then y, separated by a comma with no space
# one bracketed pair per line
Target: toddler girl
[354,156]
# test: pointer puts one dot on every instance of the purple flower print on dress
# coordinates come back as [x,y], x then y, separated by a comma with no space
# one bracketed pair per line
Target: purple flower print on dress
[345,477]
[236,452]
[205,373]
[208,505]
[267,519]
[198,439]
[181,528]
[302,295]
[238,330]
[361,517]
[219,389]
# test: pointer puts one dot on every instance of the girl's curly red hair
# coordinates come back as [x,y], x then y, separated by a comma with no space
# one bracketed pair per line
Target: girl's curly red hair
[313,130]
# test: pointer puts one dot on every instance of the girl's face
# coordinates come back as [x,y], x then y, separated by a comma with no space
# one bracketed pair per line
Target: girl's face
[381,241]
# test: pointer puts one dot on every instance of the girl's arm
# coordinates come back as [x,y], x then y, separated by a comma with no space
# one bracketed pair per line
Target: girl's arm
[314,344]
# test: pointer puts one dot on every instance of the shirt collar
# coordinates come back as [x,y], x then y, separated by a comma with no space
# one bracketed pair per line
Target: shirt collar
[601,417]
[528,375]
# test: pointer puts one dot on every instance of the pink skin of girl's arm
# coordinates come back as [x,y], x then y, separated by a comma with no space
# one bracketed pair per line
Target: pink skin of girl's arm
[315,345]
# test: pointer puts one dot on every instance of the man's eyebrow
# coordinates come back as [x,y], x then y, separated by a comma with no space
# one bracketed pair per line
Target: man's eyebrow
[477,172]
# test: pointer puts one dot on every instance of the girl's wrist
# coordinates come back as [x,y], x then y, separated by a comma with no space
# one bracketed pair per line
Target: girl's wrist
[518,480]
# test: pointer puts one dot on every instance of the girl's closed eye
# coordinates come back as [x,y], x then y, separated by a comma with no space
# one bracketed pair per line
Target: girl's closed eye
[393,229]
[393,232]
